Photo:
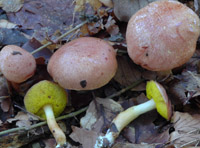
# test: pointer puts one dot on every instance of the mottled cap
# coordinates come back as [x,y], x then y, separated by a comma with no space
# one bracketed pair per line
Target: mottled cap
[83,64]
[156,92]
[43,93]
[162,35]
[16,64]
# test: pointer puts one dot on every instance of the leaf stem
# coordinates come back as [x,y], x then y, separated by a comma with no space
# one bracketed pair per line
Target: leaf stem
[70,115]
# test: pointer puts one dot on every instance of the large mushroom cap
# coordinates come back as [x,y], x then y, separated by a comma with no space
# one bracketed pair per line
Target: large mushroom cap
[44,93]
[162,35]
[156,92]
[83,64]
[16,64]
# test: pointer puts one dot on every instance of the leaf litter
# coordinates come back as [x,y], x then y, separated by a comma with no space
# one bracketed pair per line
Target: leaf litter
[35,23]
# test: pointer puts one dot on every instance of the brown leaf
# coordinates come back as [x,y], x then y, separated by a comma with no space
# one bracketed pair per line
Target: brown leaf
[5,104]
[186,129]
[129,145]
[50,143]
[23,119]
[128,73]
[111,26]
[11,5]
[126,8]
[92,114]
[45,17]
[186,87]
[85,137]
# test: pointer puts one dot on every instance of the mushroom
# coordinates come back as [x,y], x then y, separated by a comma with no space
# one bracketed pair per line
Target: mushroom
[162,35]
[158,100]
[48,100]
[85,63]
[16,64]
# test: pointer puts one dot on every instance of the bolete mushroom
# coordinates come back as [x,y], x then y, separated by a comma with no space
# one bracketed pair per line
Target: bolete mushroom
[158,100]
[85,63]
[16,64]
[48,100]
[162,35]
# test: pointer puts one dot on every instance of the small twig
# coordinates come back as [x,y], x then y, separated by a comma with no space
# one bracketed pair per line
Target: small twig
[125,89]
[44,122]
[60,37]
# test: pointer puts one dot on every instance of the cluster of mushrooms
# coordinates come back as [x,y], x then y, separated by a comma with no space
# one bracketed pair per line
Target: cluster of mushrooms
[160,37]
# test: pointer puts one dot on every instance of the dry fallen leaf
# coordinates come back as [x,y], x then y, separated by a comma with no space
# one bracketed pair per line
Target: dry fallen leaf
[111,26]
[50,143]
[80,4]
[187,129]
[23,119]
[126,8]
[92,114]
[107,3]
[129,145]
[128,73]
[11,5]
[5,104]
[186,87]
[85,137]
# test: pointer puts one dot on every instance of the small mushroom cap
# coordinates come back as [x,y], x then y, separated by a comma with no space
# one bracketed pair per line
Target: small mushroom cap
[43,93]
[16,64]
[83,64]
[162,35]
[156,92]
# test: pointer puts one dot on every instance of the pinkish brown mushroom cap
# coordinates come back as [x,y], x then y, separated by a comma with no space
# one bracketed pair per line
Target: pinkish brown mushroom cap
[16,64]
[83,64]
[162,35]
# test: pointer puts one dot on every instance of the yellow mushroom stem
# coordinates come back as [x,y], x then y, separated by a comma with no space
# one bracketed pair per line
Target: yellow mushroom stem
[53,126]
[121,121]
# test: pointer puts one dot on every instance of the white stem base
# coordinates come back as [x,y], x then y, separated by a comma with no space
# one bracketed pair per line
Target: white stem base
[122,120]
[53,126]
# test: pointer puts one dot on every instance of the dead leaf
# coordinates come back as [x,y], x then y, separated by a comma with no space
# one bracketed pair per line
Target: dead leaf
[11,5]
[12,37]
[45,17]
[186,129]
[111,26]
[80,5]
[92,114]
[85,137]
[129,145]
[107,3]
[126,8]
[186,87]
[50,143]
[23,119]
[7,24]
[128,73]
[5,104]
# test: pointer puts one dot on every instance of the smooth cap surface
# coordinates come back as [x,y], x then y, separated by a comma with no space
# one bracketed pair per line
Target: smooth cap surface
[156,92]
[16,64]
[83,64]
[43,93]
[162,35]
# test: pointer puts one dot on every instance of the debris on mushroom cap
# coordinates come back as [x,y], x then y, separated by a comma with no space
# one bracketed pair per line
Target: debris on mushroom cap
[156,92]
[83,64]
[16,64]
[162,35]
[44,93]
